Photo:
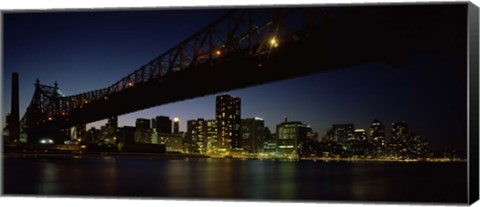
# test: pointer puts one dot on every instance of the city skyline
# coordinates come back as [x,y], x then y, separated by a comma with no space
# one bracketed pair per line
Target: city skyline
[426,92]
[387,129]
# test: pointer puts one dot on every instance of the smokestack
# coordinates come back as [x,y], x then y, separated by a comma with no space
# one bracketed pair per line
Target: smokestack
[15,111]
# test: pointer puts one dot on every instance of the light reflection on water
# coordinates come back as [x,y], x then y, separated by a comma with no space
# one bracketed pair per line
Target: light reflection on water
[237,179]
[49,179]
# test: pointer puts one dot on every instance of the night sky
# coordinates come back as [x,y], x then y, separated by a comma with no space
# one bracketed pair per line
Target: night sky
[85,51]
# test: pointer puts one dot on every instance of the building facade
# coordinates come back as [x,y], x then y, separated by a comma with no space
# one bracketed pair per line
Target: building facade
[172,142]
[227,115]
[162,124]
[399,130]
[342,132]
[142,131]
[253,134]
[201,136]
[377,133]
[290,137]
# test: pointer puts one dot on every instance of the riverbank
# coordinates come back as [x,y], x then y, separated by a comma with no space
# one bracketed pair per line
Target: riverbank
[180,156]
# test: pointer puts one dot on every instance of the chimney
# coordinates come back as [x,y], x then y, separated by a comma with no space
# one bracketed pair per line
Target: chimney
[15,113]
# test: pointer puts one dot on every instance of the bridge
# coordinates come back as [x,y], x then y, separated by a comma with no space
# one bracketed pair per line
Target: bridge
[252,46]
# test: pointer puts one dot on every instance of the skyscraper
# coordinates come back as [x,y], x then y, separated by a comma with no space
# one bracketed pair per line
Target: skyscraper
[142,131]
[253,134]
[201,136]
[176,125]
[227,114]
[162,124]
[377,133]
[342,132]
[112,125]
[399,130]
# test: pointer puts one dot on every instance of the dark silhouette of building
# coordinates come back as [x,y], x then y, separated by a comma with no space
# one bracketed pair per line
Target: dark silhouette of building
[112,122]
[176,125]
[13,118]
[227,114]
[253,134]
[162,124]
[81,131]
[126,134]
[142,131]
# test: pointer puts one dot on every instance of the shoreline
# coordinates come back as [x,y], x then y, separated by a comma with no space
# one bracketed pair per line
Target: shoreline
[187,156]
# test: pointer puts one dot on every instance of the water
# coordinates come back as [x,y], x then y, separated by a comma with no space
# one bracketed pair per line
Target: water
[236,179]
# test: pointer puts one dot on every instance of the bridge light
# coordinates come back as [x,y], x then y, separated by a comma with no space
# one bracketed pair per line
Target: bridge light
[105,97]
[218,52]
[274,42]
[130,84]
[50,118]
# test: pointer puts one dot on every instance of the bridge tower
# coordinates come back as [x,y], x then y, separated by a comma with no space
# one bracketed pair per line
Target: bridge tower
[43,109]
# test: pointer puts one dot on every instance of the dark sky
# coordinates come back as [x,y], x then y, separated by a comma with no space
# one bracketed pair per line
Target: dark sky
[85,51]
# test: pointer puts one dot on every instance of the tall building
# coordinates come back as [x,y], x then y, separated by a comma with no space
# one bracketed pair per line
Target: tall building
[142,131]
[176,125]
[399,130]
[201,136]
[253,134]
[290,136]
[126,136]
[212,136]
[162,124]
[195,135]
[342,132]
[110,129]
[377,133]
[227,114]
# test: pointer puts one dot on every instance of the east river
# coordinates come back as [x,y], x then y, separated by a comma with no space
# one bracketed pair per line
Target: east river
[207,178]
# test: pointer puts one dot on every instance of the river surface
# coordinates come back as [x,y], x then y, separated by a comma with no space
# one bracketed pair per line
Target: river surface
[206,178]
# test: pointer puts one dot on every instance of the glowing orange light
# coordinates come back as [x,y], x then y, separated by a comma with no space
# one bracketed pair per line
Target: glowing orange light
[274,42]
[130,84]
[218,52]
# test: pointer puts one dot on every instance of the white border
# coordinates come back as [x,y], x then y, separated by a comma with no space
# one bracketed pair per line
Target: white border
[7,5]
[82,4]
